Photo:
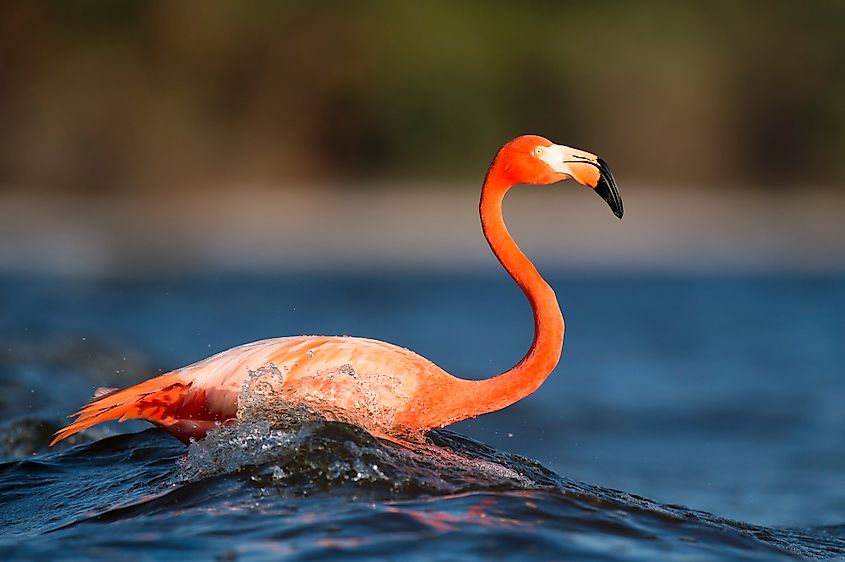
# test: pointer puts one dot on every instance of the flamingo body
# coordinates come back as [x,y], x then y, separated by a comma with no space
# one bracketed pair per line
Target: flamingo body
[388,390]
[369,383]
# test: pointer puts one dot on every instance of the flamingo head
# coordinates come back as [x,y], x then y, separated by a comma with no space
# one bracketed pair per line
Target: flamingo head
[531,159]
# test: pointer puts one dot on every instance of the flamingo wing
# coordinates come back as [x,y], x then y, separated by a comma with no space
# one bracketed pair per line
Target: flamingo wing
[337,376]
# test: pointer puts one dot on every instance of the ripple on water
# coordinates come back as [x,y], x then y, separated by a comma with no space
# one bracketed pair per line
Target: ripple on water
[282,482]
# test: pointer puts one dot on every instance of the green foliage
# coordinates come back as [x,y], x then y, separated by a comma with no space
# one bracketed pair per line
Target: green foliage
[138,95]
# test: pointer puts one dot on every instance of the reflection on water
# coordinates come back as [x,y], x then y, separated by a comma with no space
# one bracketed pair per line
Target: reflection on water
[721,394]
[251,489]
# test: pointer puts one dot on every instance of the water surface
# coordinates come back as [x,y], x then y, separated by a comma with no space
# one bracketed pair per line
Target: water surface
[718,398]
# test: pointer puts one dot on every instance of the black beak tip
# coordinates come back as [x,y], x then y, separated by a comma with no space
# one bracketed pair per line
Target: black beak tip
[607,190]
[618,210]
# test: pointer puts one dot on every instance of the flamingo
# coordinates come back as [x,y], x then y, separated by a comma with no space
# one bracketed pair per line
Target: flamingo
[388,390]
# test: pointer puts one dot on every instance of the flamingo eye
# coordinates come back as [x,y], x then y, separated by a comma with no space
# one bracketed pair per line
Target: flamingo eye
[539,151]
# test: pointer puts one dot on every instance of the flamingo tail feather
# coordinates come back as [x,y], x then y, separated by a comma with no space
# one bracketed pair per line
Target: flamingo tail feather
[157,400]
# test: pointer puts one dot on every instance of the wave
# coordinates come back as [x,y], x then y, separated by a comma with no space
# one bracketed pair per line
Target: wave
[254,479]
[282,476]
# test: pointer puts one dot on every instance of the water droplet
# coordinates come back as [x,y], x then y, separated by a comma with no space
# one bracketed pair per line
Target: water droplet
[348,370]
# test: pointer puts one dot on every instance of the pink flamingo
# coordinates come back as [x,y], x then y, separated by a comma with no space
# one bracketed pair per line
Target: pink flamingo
[388,390]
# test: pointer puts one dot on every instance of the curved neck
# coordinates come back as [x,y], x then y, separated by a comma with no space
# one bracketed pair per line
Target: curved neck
[523,379]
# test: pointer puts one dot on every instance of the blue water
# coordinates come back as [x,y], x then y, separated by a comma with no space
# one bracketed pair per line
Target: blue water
[720,399]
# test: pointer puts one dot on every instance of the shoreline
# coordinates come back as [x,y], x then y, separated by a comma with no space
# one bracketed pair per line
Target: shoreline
[430,228]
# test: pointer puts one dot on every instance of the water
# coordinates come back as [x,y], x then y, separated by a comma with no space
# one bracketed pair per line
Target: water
[719,399]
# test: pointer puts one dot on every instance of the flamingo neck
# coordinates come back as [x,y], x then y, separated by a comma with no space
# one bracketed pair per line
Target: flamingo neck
[523,379]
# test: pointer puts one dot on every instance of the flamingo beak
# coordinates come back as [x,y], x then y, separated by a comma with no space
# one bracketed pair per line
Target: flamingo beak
[588,170]
[607,190]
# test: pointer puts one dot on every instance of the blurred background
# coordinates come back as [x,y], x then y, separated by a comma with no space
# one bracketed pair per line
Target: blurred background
[177,178]
[148,121]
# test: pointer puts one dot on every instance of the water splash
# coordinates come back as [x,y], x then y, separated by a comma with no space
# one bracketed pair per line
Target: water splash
[342,394]
[292,447]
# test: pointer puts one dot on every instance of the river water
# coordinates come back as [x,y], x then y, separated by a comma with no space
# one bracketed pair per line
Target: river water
[691,418]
